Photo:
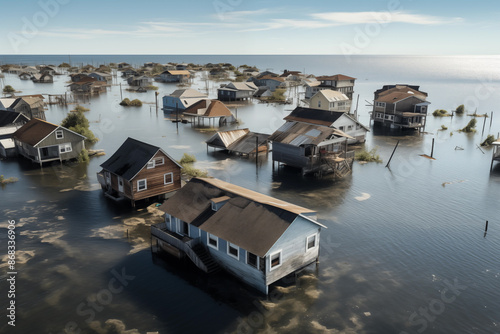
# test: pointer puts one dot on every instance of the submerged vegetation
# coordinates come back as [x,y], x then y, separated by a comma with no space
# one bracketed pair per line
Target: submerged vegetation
[443,128]
[368,156]
[186,162]
[488,141]
[470,127]
[4,181]
[83,156]
[440,113]
[78,123]
[134,103]
[8,89]
[79,108]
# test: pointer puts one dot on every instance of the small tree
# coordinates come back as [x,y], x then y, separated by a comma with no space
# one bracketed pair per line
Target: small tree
[62,65]
[8,89]
[80,108]
[278,95]
[440,113]
[460,109]
[76,121]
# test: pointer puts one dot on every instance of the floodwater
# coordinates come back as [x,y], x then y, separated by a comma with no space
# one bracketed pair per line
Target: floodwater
[404,252]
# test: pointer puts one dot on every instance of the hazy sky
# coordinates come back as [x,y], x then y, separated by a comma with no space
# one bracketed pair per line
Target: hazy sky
[410,27]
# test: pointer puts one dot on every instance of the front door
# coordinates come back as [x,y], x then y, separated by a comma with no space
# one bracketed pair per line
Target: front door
[120,184]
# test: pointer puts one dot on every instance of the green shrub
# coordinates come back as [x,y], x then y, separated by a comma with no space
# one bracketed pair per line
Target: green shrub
[83,156]
[8,89]
[4,180]
[78,123]
[80,108]
[368,156]
[187,159]
[470,127]
[488,141]
[125,102]
[440,113]
[135,103]
[278,94]
[151,87]
[444,127]
[460,109]
[189,170]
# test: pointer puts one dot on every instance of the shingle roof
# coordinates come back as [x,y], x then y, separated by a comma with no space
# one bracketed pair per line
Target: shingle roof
[397,96]
[214,108]
[184,93]
[336,77]
[34,131]
[130,158]
[333,95]
[8,117]
[314,116]
[251,220]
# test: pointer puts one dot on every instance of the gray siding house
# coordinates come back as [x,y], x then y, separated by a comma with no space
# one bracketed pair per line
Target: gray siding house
[257,238]
[41,141]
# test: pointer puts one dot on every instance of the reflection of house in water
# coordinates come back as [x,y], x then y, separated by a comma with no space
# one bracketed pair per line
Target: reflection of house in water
[212,110]
[240,142]
[257,238]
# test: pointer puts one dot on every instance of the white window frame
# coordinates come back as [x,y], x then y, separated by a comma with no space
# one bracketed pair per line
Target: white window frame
[271,267]
[231,245]
[151,164]
[145,184]
[216,238]
[171,177]
[251,265]
[59,134]
[315,235]
[65,148]
[159,163]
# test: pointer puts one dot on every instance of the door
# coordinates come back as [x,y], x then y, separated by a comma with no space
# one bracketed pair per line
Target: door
[120,184]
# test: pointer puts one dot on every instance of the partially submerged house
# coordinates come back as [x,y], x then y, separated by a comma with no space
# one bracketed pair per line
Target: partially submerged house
[41,141]
[241,142]
[88,85]
[257,238]
[312,148]
[236,91]
[334,119]
[327,99]
[495,156]
[139,81]
[31,106]
[137,171]
[25,76]
[268,81]
[181,76]
[10,121]
[339,82]
[181,99]
[214,111]
[12,118]
[400,106]
[45,77]
[100,76]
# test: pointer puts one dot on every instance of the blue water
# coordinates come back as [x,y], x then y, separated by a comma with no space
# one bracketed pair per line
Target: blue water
[396,238]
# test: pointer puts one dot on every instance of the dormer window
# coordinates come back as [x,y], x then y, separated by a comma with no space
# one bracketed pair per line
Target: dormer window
[218,202]
[59,134]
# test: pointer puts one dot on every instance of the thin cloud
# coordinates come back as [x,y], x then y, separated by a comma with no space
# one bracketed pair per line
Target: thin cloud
[346,18]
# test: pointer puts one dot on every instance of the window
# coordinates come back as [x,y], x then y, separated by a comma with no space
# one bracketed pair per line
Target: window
[59,134]
[233,250]
[311,242]
[341,128]
[159,161]
[252,260]
[213,241]
[65,148]
[319,103]
[168,178]
[380,104]
[151,164]
[349,127]
[275,260]
[142,185]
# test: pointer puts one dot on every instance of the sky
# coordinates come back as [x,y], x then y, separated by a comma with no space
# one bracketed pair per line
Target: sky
[400,27]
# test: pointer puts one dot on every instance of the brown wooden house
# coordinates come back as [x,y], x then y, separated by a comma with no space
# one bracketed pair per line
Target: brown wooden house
[137,171]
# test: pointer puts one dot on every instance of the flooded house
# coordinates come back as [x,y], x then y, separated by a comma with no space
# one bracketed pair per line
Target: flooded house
[139,81]
[495,157]
[45,77]
[138,171]
[181,99]
[10,121]
[255,237]
[41,141]
[181,76]
[240,142]
[32,106]
[327,99]
[269,82]
[236,91]
[214,111]
[100,76]
[338,82]
[400,106]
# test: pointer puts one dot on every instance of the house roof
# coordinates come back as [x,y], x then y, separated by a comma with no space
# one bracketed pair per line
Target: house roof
[314,116]
[214,108]
[251,220]
[400,88]
[36,130]
[397,96]
[7,102]
[336,77]
[226,138]
[177,72]
[297,134]
[240,140]
[32,101]
[332,95]
[269,77]
[131,157]
[8,117]
[185,93]
[240,86]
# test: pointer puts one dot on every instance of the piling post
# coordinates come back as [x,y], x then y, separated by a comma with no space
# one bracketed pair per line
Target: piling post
[256,151]
[121,96]
[486,227]
[432,149]
[484,123]
[491,119]
[395,147]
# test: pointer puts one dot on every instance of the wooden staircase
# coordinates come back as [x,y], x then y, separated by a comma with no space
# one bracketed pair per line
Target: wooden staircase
[206,258]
